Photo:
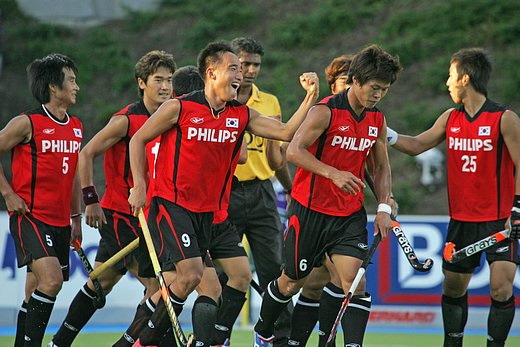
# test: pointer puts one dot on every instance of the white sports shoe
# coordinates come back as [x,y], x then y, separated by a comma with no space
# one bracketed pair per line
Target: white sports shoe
[261,341]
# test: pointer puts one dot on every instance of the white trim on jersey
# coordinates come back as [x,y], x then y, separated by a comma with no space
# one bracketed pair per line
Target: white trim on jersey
[54,119]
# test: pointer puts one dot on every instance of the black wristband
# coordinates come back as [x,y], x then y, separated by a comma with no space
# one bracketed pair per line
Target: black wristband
[90,195]
[75,215]
[516,202]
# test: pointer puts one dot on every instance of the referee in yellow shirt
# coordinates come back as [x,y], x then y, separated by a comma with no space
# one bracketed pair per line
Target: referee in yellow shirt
[252,207]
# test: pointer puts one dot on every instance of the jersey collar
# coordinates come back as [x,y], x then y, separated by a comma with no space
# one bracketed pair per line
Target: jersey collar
[255,94]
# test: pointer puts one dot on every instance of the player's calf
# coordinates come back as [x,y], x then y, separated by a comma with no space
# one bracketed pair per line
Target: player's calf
[272,305]
[455,316]
[303,320]
[232,302]
[500,319]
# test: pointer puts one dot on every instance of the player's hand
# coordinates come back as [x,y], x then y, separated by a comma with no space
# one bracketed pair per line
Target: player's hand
[288,198]
[137,199]
[15,203]
[75,231]
[310,82]
[382,224]
[347,182]
[394,205]
[514,225]
[94,216]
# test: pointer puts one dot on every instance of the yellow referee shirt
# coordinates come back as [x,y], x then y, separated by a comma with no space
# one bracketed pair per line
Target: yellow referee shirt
[256,166]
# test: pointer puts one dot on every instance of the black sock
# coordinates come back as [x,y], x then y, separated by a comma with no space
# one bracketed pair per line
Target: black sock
[304,318]
[454,317]
[159,322]
[39,310]
[232,302]
[168,340]
[142,315]
[500,318]
[203,316]
[282,326]
[330,303]
[272,305]
[355,319]
[80,311]
[20,326]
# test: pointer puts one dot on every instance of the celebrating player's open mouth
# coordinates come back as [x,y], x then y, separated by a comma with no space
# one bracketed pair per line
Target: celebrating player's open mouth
[235,86]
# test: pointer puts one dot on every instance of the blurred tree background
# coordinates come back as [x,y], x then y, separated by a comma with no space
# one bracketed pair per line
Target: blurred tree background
[298,35]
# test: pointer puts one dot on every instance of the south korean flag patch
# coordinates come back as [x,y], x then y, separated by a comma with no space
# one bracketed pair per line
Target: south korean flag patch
[232,123]
[484,131]
[372,131]
[78,133]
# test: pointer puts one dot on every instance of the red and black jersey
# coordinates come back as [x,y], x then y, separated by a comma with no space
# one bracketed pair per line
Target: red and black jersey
[198,155]
[44,168]
[480,168]
[117,162]
[326,99]
[220,216]
[345,145]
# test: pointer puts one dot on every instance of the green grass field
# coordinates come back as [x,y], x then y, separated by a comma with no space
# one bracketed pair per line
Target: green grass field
[243,338]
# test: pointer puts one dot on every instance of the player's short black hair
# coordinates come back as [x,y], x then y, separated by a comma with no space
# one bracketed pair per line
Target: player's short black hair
[475,63]
[149,63]
[248,45]
[373,63]
[211,55]
[186,80]
[48,71]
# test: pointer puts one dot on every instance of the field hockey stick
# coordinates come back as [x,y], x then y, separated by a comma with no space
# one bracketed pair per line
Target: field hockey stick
[330,341]
[257,287]
[163,288]
[116,258]
[452,256]
[99,300]
[402,240]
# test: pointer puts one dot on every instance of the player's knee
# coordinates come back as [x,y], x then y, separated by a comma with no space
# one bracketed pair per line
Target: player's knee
[289,288]
[106,283]
[241,280]
[313,292]
[191,280]
[501,293]
[453,289]
[316,283]
[313,287]
[151,289]
[51,285]
[211,289]
[360,290]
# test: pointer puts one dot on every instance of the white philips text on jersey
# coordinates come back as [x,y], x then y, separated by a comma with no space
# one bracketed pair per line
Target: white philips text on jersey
[60,146]
[352,143]
[470,145]
[212,135]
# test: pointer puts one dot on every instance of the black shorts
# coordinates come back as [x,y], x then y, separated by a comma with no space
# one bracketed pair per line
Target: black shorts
[225,242]
[310,234]
[177,234]
[120,230]
[34,239]
[463,234]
